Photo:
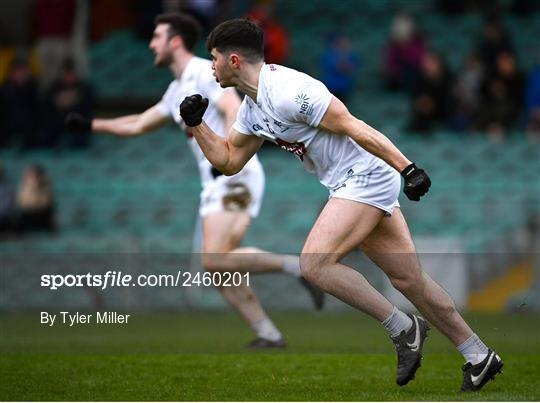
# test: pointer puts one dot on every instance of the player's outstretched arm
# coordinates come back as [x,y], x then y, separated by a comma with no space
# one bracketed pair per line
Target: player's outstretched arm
[228,155]
[339,120]
[127,126]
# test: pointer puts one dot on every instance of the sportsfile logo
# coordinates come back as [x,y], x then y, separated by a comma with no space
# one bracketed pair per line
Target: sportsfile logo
[303,100]
[113,278]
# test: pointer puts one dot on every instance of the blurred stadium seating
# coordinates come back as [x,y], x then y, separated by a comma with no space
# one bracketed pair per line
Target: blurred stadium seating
[142,194]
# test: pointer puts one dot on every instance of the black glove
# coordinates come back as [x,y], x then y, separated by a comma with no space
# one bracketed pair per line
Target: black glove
[192,109]
[417,182]
[78,123]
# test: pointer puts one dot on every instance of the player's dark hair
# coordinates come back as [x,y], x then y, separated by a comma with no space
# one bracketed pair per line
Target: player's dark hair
[181,24]
[238,35]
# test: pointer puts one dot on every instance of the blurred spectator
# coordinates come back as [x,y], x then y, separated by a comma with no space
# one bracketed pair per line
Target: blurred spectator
[430,99]
[18,106]
[35,201]
[503,97]
[507,70]
[69,94]
[532,104]
[339,65]
[53,28]
[7,205]
[276,40]
[467,93]
[403,54]
[496,114]
[494,41]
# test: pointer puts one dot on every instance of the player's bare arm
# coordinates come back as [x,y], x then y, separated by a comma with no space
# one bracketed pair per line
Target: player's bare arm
[228,155]
[339,120]
[125,126]
[132,125]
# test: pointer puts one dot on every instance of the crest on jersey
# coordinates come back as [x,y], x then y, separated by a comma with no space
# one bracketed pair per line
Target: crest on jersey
[298,149]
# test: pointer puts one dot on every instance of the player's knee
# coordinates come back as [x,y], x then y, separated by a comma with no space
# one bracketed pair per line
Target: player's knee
[312,267]
[212,262]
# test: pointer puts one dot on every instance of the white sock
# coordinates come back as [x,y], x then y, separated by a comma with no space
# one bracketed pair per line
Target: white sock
[397,322]
[291,265]
[266,329]
[473,350]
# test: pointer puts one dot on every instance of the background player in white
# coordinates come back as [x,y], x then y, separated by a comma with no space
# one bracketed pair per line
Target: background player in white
[360,167]
[227,204]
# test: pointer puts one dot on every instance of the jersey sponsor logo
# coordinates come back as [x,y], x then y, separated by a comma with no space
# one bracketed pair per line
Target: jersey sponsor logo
[266,122]
[298,149]
[301,98]
[257,128]
[278,126]
[305,107]
[281,126]
[277,123]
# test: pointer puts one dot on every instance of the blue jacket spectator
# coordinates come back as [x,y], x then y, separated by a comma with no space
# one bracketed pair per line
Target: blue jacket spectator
[339,66]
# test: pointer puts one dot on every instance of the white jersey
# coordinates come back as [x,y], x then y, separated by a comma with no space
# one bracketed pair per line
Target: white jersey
[290,105]
[197,78]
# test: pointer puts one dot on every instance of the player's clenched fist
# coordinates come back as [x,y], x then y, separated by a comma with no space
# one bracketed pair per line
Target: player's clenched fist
[192,109]
[417,182]
[78,123]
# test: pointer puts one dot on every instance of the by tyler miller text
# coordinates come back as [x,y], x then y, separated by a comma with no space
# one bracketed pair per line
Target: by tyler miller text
[78,318]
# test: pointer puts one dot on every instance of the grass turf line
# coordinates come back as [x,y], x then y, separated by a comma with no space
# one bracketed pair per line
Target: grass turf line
[199,356]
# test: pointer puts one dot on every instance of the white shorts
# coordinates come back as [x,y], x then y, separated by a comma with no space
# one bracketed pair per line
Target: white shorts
[379,188]
[241,192]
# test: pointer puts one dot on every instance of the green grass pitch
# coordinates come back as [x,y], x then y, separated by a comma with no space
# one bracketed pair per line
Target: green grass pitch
[200,356]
